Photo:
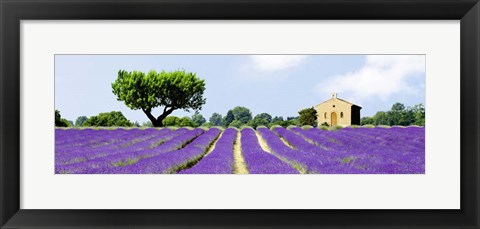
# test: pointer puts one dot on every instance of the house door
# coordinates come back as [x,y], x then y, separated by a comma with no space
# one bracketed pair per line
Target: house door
[334,119]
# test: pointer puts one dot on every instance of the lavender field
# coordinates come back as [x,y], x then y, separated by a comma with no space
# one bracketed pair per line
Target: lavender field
[395,150]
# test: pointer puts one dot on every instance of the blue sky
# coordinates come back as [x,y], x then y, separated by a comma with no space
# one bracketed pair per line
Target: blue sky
[280,85]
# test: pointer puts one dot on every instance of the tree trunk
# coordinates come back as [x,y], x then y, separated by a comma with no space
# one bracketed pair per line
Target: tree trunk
[158,122]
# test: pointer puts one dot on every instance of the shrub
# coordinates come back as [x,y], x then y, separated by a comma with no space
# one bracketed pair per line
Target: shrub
[114,118]
[306,127]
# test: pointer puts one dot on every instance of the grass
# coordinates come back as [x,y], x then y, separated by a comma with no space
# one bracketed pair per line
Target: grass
[348,159]
[125,163]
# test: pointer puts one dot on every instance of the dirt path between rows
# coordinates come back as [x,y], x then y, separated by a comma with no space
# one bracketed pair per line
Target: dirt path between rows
[240,166]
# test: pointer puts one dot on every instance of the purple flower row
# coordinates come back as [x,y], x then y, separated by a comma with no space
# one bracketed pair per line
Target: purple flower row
[310,157]
[130,156]
[257,160]
[220,160]
[366,151]
[134,144]
[170,162]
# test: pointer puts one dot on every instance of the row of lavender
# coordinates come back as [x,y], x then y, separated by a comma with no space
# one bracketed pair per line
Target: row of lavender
[151,151]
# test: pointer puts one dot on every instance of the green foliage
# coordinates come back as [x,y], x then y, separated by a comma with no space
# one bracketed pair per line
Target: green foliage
[171,121]
[308,116]
[114,118]
[178,122]
[80,120]
[242,114]
[198,119]
[61,122]
[265,116]
[291,122]
[397,115]
[258,122]
[236,123]
[337,127]
[207,124]
[228,119]
[186,121]
[325,124]
[216,119]
[147,124]
[172,90]
[277,119]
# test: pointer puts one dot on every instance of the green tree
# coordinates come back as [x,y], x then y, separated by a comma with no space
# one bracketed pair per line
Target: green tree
[186,121]
[61,122]
[228,119]
[365,121]
[308,116]
[80,120]
[147,124]
[395,114]
[265,116]
[198,119]
[236,123]
[257,121]
[216,119]
[171,121]
[170,90]
[381,118]
[277,119]
[178,122]
[114,118]
[419,114]
[242,114]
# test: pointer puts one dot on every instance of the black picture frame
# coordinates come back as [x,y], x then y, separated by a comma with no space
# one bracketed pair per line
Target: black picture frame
[12,11]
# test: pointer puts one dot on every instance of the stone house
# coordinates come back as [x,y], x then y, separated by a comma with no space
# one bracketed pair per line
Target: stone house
[339,112]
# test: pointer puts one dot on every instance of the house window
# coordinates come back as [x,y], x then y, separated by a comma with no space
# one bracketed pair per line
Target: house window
[333,105]
[341,114]
[325,115]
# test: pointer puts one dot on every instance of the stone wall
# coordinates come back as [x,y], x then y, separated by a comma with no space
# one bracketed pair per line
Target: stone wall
[337,106]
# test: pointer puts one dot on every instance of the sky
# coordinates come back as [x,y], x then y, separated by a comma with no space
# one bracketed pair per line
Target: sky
[280,85]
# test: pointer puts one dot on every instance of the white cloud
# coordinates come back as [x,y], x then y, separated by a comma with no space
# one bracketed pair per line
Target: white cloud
[381,76]
[276,62]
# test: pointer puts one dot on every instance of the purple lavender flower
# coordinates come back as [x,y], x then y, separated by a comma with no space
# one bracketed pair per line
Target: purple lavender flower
[220,160]
[258,161]
[172,161]
[129,156]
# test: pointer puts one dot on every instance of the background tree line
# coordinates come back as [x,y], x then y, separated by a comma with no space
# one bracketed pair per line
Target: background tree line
[237,117]
[241,116]
[182,90]
[398,115]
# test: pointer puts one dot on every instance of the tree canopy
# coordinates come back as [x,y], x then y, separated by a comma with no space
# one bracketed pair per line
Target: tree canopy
[80,120]
[242,114]
[228,119]
[398,115]
[215,119]
[170,90]
[178,122]
[198,119]
[61,122]
[308,116]
[114,118]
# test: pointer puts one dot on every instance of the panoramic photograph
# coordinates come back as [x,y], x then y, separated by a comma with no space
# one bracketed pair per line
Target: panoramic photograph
[239,114]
